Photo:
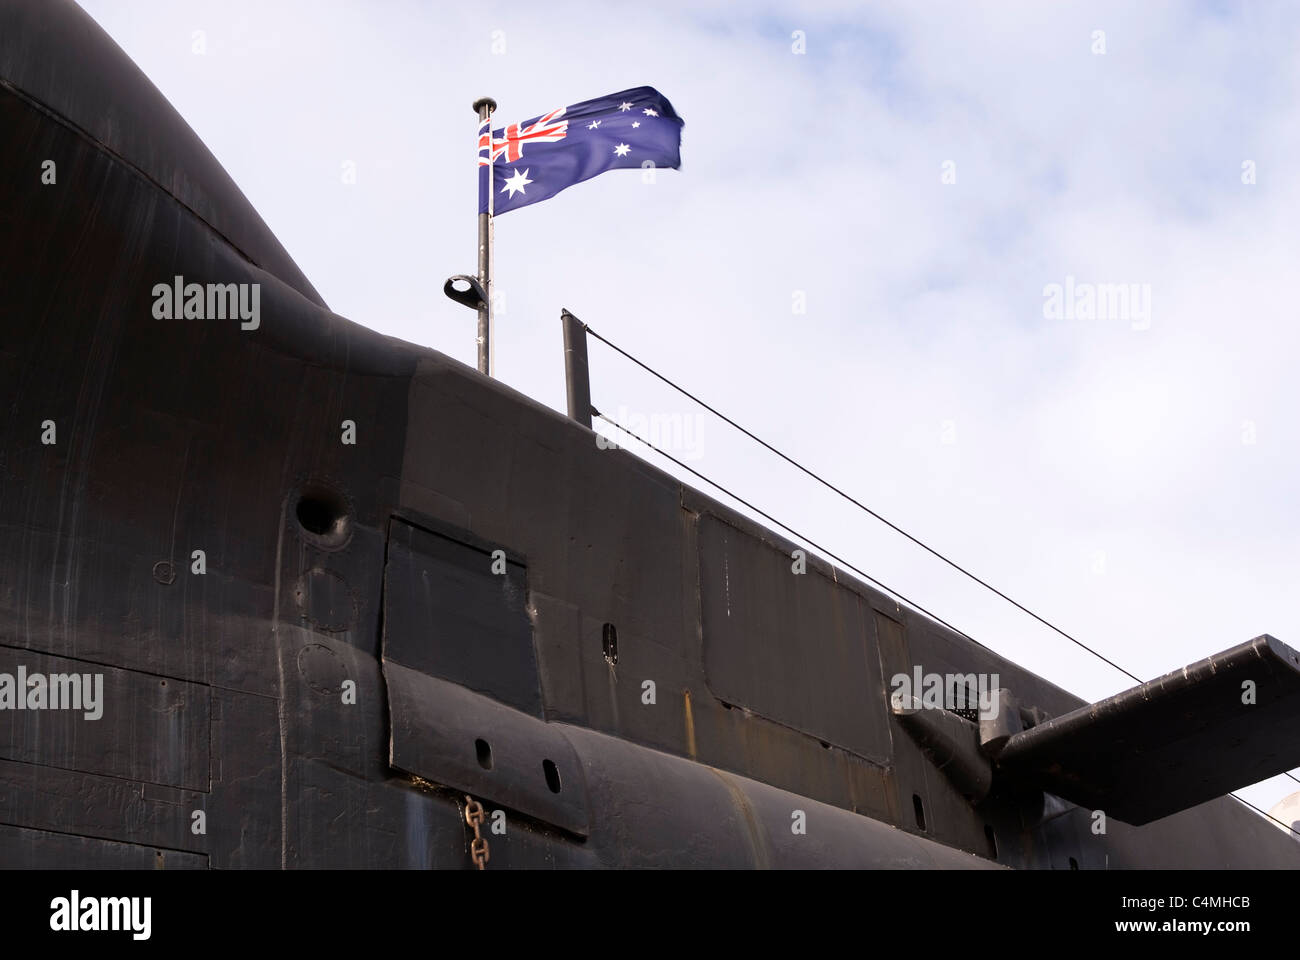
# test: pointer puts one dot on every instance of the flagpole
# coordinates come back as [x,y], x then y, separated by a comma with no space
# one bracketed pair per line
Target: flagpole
[484,107]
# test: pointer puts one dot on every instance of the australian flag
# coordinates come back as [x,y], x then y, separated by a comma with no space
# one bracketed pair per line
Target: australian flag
[537,159]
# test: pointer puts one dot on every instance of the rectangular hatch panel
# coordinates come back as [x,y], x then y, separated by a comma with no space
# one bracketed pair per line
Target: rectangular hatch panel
[453,610]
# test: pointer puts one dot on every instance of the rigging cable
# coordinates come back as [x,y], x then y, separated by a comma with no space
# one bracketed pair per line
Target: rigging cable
[861,506]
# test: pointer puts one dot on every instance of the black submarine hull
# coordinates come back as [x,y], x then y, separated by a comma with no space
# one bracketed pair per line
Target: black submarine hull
[337,587]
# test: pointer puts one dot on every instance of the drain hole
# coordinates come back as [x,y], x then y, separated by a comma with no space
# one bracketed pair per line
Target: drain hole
[323,513]
[484,751]
[552,775]
[316,516]
[919,809]
[609,643]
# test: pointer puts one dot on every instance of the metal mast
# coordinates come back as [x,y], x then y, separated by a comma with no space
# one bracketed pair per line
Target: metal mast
[484,106]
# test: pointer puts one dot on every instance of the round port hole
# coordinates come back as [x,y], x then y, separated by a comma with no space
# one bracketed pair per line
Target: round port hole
[323,514]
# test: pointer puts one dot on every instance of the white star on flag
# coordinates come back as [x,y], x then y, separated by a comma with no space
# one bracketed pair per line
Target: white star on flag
[593,125]
[649,113]
[625,106]
[516,183]
[635,124]
[621,150]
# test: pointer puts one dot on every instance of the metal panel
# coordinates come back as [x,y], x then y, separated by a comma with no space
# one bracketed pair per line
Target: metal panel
[23,849]
[654,810]
[440,728]
[448,615]
[151,729]
[792,648]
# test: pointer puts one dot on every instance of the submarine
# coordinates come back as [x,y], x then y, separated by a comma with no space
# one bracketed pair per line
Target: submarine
[303,596]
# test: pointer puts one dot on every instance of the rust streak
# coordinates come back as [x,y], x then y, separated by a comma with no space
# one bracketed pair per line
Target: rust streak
[690,724]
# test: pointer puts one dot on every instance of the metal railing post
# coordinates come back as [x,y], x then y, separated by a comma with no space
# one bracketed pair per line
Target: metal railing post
[577,379]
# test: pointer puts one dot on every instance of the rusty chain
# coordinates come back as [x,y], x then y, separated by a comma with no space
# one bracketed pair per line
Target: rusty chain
[474,816]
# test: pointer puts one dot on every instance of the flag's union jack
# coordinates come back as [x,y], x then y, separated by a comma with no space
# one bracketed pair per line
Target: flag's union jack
[547,129]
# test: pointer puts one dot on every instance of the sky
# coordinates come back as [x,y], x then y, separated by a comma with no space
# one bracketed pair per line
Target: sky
[878,255]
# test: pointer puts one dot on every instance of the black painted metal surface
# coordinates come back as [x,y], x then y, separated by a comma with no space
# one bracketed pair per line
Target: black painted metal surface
[292,526]
[1184,738]
[448,614]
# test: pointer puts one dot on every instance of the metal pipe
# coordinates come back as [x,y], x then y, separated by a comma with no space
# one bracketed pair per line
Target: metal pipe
[484,106]
[577,378]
